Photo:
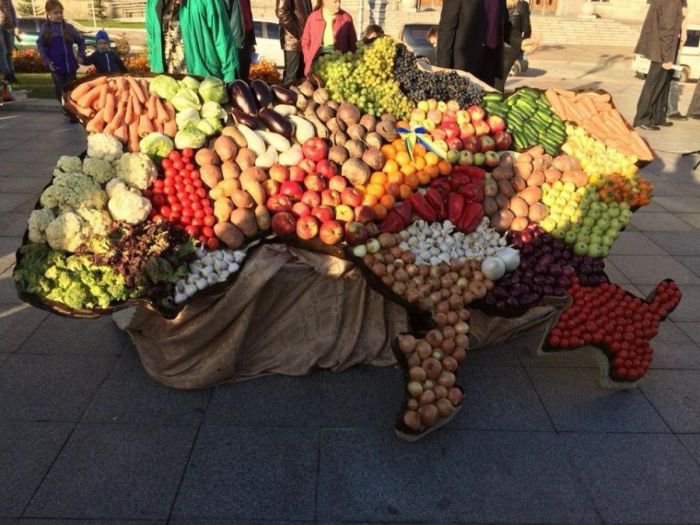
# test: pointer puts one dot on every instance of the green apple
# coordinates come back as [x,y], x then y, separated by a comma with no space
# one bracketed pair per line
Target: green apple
[611,232]
[613,211]
[583,237]
[548,225]
[588,221]
[597,230]
[570,237]
[607,241]
[560,234]
[581,248]
[594,214]
[585,230]
[603,223]
[594,250]
[596,238]
[615,224]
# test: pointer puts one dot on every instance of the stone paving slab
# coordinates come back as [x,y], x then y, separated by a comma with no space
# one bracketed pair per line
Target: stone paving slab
[17,322]
[675,394]
[678,242]
[8,247]
[13,224]
[692,330]
[673,349]
[652,269]
[691,218]
[115,472]
[689,308]
[692,263]
[61,335]
[679,204]
[635,243]
[660,222]
[692,443]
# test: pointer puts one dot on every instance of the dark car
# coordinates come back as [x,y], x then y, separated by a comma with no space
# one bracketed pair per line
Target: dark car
[29,27]
[415,36]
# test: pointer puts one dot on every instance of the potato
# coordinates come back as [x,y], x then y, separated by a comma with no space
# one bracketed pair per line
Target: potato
[334,126]
[338,154]
[502,173]
[210,175]
[531,195]
[519,224]
[552,175]
[536,179]
[356,132]
[566,163]
[490,206]
[490,187]
[523,169]
[579,178]
[242,199]
[374,159]
[245,158]
[369,121]
[519,207]
[505,188]
[387,129]
[538,164]
[227,187]
[525,157]
[255,174]
[356,171]
[245,221]
[348,113]
[538,212]
[374,140]
[536,151]
[339,138]
[230,170]
[206,157]
[502,220]
[518,183]
[216,194]
[547,160]
[325,113]
[262,217]
[227,233]
[222,209]
[356,148]
[256,191]
[506,161]
[225,148]
[502,201]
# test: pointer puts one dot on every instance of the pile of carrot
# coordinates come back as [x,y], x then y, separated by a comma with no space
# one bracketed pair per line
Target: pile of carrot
[594,112]
[123,107]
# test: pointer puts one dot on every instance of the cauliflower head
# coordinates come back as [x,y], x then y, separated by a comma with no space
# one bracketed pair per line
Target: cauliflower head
[70,164]
[38,221]
[96,222]
[137,170]
[104,146]
[129,207]
[65,232]
[99,169]
[70,191]
[115,186]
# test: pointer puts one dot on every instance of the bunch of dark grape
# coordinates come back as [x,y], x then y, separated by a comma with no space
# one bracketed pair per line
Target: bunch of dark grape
[421,85]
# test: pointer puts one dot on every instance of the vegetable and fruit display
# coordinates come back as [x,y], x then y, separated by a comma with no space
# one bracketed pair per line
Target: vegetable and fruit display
[450,200]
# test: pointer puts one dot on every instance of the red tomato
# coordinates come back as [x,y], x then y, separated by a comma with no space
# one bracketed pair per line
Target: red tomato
[196,205]
[213,243]
[166,164]
[189,166]
[187,153]
[185,219]
[175,216]
[201,193]
[208,231]
[177,207]
[554,340]
[197,183]
[158,200]
[178,164]
[209,220]
[186,211]
[158,184]
[189,188]
[197,221]
[172,199]
[170,173]
[194,174]
[198,212]
[174,155]
[203,239]
[165,211]
[182,196]
[147,193]
[192,230]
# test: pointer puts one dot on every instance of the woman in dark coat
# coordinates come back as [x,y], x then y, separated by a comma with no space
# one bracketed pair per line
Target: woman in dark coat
[292,15]
[517,29]
[470,37]
[658,42]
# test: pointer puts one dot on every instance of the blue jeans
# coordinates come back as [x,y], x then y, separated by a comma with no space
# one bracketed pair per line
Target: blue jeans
[6,47]
[60,80]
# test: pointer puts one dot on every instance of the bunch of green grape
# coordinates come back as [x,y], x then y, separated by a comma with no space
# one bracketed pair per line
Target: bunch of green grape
[365,78]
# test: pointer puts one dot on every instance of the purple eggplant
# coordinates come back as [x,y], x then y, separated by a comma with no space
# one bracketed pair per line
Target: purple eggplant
[241,117]
[242,97]
[276,122]
[262,92]
[284,95]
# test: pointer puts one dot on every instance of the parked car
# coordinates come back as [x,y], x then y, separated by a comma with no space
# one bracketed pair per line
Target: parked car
[29,27]
[688,58]
[268,45]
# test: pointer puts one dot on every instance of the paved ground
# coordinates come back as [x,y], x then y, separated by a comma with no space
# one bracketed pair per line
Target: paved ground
[87,437]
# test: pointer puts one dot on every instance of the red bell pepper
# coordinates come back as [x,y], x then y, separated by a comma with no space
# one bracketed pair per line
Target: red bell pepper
[405,211]
[473,172]
[473,192]
[459,179]
[442,184]
[422,208]
[471,217]
[437,202]
[455,207]
[392,223]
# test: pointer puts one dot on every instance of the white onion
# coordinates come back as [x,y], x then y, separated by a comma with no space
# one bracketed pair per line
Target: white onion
[510,256]
[493,268]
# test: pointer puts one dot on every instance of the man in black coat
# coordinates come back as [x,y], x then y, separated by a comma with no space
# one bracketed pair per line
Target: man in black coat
[470,37]
[658,42]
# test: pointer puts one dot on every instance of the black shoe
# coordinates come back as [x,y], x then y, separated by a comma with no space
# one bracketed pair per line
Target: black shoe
[677,116]
[695,117]
[665,124]
[11,79]
[649,127]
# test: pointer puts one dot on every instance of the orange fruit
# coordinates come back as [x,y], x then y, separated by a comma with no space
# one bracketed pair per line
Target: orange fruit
[370,200]
[432,171]
[431,159]
[361,188]
[387,201]
[379,211]
[395,177]
[419,151]
[375,189]
[378,177]
[423,177]
[393,189]
[409,169]
[412,180]
[389,151]
[419,162]
[402,124]
[390,166]
[444,167]
[403,158]
[405,191]
[399,145]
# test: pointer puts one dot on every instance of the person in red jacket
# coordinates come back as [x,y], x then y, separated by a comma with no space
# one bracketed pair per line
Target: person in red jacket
[327,29]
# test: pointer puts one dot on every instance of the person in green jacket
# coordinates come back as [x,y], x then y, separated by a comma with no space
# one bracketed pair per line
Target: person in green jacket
[191,36]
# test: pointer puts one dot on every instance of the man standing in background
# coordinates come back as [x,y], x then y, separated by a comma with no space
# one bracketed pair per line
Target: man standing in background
[8,30]
[243,32]
[471,37]
[292,15]
[674,89]
[658,42]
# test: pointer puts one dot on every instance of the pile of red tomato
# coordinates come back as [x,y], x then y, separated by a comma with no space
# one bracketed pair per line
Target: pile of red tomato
[181,198]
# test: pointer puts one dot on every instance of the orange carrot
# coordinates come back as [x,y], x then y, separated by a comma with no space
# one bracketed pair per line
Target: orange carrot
[161,113]
[137,90]
[122,84]
[554,101]
[124,96]
[122,133]
[138,107]
[587,103]
[119,117]
[566,93]
[103,96]
[110,107]
[158,126]
[145,126]
[170,110]
[129,114]
[83,88]
[642,147]
[170,128]
[96,124]
[602,107]
[88,98]
[616,120]
[151,109]
[133,137]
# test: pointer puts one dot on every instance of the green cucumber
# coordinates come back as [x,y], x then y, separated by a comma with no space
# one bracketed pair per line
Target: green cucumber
[527,105]
[493,97]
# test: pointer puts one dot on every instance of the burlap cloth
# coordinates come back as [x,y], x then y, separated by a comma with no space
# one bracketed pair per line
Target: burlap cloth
[288,312]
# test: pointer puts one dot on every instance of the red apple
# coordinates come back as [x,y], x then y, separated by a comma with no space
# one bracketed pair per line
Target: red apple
[331,232]
[330,197]
[438,134]
[344,213]
[311,198]
[323,213]
[492,159]
[283,223]
[472,144]
[455,143]
[476,113]
[503,140]
[496,123]
[355,233]
[479,159]
[466,129]
[296,174]
[279,173]
[278,203]
[338,183]
[292,189]
[307,227]
[466,158]
[487,143]
[326,168]
[451,129]
[308,165]
[481,128]
[449,116]
[271,186]
[452,105]
[301,209]
[315,182]
[364,214]
[372,229]
[315,149]
[351,197]
[435,115]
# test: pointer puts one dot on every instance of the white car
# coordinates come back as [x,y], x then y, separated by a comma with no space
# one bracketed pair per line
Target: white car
[268,44]
[687,64]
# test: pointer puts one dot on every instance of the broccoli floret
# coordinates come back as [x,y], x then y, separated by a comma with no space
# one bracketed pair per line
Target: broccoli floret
[70,164]
[38,221]
[99,169]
